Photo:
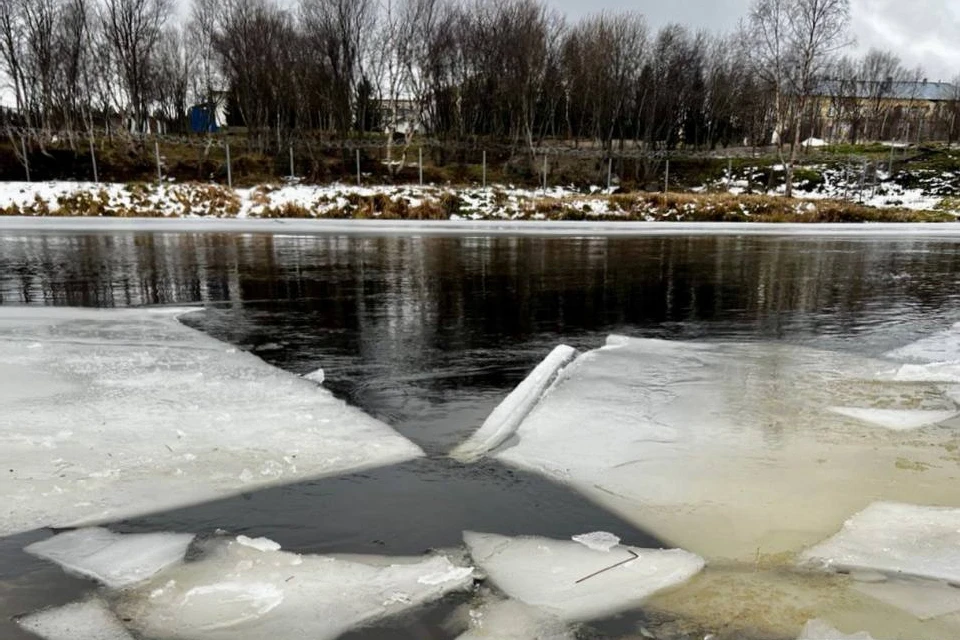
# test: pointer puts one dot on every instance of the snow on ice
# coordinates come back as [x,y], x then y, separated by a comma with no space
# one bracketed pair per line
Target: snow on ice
[103,406]
[573,582]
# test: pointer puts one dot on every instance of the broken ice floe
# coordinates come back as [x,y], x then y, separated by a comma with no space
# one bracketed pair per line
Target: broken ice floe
[238,588]
[724,449]
[113,559]
[88,620]
[897,419]
[505,419]
[925,599]
[120,402]
[943,346]
[512,620]
[572,582]
[895,539]
[820,630]
[239,592]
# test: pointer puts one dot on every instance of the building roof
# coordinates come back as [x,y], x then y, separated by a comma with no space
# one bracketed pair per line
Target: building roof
[891,90]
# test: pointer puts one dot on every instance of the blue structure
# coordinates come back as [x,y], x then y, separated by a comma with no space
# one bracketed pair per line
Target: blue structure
[203,118]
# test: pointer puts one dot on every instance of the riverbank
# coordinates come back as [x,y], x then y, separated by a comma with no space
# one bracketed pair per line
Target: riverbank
[425,203]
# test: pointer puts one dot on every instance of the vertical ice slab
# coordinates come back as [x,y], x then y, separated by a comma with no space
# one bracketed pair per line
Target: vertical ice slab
[508,415]
[114,413]
[573,582]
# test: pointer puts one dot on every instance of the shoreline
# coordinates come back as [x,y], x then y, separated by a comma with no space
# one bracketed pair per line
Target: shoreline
[567,228]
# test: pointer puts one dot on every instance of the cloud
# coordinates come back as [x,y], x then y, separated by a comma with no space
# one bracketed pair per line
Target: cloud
[921,32]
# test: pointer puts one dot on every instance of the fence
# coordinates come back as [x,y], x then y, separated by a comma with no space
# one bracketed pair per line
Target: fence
[373,161]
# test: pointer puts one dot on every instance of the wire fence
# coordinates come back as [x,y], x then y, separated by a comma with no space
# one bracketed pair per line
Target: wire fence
[367,161]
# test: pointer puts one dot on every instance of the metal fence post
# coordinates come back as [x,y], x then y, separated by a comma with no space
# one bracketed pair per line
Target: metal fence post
[358,167]
[666,179]
[93,160]
[156,152]
[420,151]
[292,174]
[609,172]
[544,172]
[26,160]
[484,168]
[229,170]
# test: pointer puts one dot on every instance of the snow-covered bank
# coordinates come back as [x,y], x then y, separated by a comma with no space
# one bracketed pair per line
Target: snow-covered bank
[109,414]
[448,203]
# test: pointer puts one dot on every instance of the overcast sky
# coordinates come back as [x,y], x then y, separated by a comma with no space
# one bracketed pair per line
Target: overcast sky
[921,32]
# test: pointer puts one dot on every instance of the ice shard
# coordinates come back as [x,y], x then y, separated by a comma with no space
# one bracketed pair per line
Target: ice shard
[110,414]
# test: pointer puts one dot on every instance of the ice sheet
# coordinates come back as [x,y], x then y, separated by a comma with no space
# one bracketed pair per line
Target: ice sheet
[733,450]
[508,415]
[512,620]
[238,592]
[943,346]
[112,559]
[122,402]
[820,630]
[572,582]
[926,599]
[896,539]
[897,420]
[88,620]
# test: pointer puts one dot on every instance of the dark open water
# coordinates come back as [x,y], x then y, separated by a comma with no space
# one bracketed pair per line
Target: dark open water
[429,333]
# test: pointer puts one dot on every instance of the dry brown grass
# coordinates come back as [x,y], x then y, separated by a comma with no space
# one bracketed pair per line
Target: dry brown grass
[202,199]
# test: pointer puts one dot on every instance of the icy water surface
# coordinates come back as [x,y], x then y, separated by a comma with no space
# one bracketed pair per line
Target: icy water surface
[429,333]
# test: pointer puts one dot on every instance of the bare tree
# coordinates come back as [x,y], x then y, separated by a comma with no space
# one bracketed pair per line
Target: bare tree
[338,32]
[133,29]
[794,41]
